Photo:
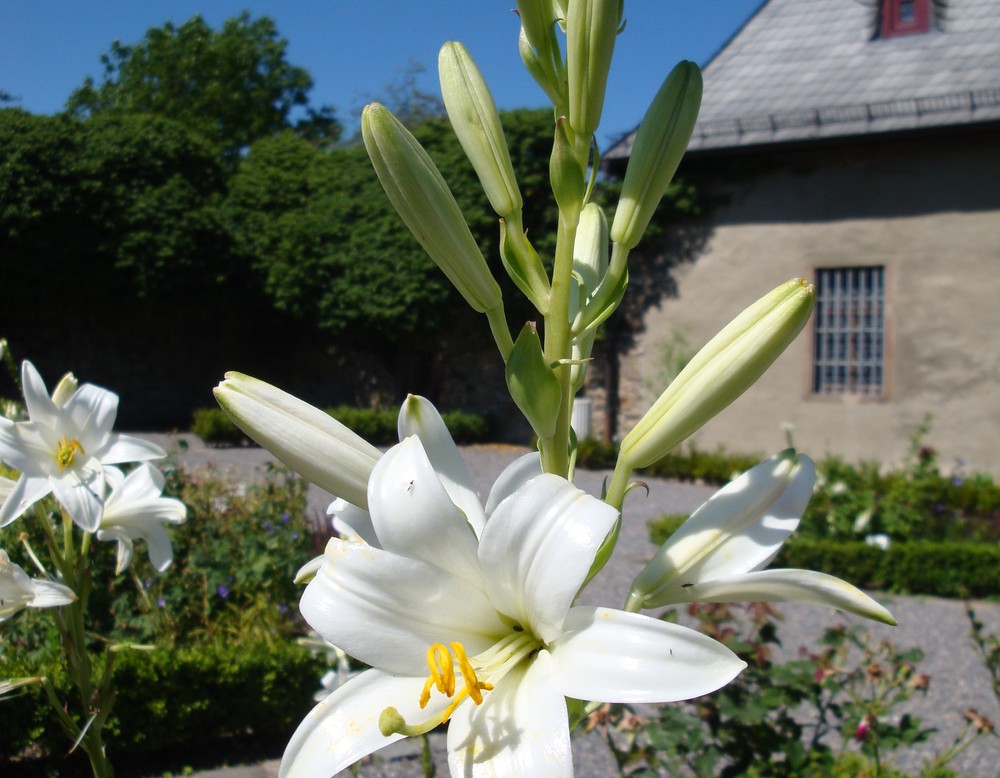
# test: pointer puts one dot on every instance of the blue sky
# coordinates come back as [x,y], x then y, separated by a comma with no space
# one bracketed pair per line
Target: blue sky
[353,48]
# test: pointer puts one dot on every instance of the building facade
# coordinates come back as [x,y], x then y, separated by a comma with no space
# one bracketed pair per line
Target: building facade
[856,144]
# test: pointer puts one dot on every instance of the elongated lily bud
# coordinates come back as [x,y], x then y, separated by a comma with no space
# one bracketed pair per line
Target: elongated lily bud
[724,368]
[65,389]
[659,145]
[539,48]
[590,263]
[306,439]
[420,195]
[474,117]
[565,173]
[591,29]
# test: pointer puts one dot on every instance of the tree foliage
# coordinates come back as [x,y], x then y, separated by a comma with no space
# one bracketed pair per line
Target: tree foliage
[116,204]
[231,86]
[329,247]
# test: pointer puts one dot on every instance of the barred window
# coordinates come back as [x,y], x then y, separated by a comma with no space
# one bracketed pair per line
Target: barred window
[849,334]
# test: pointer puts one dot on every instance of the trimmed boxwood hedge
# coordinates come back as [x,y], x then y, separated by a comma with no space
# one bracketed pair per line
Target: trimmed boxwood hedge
[180,700]
[942,569]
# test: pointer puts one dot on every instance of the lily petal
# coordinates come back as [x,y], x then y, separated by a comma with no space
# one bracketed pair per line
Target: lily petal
[36,396]
[26,492]
[739,529]
[125,448]
[786,586]
[49,594]
[26,446]
[537,549]
[343,728]
[386,610]
[347,518]
[514,476]
[615,656]
[414,516]
[92,411]
[82,496]
[520,729]
[307,440]
[419,417]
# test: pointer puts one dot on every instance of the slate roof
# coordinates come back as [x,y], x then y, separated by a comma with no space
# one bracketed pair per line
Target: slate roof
[809,69]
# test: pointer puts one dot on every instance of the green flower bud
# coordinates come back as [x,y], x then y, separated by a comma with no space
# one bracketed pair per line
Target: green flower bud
[590,263]
[659,144]
[591,29]
[565,173]
[474,117]
[420,195]
[539,49]
[724,368]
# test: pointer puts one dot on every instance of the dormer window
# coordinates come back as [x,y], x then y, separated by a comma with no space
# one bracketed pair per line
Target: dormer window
[904,17]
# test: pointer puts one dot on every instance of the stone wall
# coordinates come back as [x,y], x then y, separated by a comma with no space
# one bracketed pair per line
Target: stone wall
[928,210]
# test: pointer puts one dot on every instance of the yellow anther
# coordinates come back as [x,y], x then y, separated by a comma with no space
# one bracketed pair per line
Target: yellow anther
[442,673]
[67,450]
[472,683]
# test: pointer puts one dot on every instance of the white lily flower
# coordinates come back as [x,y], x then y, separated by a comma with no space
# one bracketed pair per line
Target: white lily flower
[18,591]
[136,509]
[66,448]
[475,624]
[717,555]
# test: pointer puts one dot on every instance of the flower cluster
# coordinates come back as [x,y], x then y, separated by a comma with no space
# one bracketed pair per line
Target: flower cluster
[465,612]
[67,448]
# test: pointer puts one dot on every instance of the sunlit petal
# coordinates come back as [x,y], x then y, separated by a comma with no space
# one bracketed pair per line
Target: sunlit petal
[386,610]
[419,417]
[614,656]
[344,727]
[521,729]
[414,516]
[538,547]
[787,586]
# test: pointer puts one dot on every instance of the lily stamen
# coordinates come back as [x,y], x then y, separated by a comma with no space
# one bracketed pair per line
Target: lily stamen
[66,451]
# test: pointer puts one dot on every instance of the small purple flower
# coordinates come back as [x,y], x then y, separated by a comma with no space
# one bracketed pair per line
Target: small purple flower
[285,518]
[269,527]
[161,602]
[295,536]
[956,480]
[282,608]
[222,590]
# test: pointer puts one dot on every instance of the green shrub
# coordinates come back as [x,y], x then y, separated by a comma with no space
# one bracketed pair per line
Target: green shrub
[180,698]
[378,425]
[468,427]
[942,569]
[710,467]
[594,454]
[215,428]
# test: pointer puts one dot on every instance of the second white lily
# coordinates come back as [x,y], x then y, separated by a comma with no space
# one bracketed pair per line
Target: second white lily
[717,555]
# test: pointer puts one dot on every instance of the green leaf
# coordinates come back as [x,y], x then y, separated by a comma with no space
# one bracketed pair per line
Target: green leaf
[532,384]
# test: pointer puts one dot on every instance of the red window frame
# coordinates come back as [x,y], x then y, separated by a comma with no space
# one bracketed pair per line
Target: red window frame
[893,22]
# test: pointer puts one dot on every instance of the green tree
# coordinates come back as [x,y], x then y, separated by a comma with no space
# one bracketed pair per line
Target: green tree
[330,247]
[232,86]
[114,205]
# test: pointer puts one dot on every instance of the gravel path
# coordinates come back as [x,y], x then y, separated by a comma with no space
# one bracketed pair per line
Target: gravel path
[939,627]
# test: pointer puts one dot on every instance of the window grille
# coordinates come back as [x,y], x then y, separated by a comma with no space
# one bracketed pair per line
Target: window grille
[849,332]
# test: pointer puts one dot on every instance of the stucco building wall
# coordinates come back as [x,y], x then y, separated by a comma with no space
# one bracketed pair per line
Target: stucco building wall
[929,212]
